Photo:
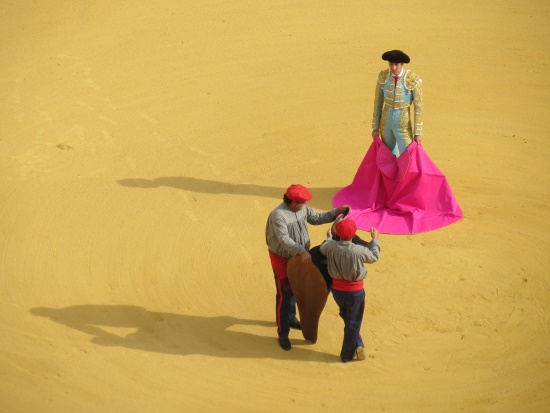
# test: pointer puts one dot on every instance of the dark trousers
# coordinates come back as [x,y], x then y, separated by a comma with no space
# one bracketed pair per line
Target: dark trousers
[352,306]
[285,306]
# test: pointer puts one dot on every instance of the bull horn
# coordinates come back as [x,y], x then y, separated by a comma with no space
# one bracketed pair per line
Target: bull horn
[336,222]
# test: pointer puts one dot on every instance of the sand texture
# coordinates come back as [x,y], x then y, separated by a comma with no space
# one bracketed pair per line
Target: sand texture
[143,145]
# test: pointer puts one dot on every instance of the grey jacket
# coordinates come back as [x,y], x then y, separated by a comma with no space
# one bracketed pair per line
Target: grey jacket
[286,232]
[346,259]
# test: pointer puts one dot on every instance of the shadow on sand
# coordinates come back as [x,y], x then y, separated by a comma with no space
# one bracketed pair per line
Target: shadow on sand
[322,197]
[177,333]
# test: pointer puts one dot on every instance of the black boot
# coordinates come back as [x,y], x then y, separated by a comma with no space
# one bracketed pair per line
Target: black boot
[284,342]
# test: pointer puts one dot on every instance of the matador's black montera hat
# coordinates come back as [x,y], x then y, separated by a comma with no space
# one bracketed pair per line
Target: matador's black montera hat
[396,56]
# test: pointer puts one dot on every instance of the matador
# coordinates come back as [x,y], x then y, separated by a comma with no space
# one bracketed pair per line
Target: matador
[396,91]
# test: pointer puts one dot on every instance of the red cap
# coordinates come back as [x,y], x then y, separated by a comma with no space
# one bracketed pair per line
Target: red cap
[346,229]
[298,193]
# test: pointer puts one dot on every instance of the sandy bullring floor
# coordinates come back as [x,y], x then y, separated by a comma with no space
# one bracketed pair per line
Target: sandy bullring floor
[143,144]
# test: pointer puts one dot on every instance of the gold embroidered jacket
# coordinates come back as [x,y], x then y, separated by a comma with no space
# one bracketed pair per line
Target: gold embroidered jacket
[400,96]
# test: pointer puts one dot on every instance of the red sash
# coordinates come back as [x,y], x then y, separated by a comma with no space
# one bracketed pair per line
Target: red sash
[279,265]
[343,285]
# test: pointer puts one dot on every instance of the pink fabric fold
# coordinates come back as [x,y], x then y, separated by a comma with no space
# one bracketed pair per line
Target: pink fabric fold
[404,195]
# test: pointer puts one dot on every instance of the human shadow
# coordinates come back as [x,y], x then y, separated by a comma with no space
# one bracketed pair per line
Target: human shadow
[177,334]
[322,197]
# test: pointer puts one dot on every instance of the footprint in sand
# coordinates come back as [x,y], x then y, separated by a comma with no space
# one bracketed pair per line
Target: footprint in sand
[193,149]
[258,205]
[191,216]
[215,169]
[131,162]
[74,66]
[229,232]
[106,119]
[44,114]
[149,118]
[244,248]
[159,137]
[108,139]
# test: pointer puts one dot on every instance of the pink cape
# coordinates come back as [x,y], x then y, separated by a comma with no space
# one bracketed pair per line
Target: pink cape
[404,195]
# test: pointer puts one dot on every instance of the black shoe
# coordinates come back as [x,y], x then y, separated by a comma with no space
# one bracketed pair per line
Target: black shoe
[284,343]
[296,325]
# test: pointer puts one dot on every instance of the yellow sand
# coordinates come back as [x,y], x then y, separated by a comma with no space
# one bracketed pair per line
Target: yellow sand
[143,144]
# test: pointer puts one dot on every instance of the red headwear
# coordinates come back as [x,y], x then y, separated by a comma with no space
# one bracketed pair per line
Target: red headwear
[298,193]
[346,229]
